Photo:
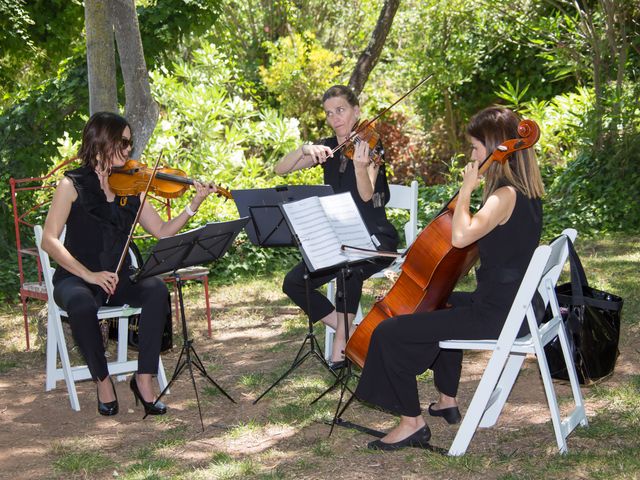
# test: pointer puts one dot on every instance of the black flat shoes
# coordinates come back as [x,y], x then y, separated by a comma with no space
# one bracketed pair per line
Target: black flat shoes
[420,439]
[451,414]
[339,365]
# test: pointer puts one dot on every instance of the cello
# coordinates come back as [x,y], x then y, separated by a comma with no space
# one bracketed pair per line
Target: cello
[432,265]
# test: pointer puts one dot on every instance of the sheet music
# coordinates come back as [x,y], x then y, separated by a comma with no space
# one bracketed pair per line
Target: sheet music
[324,224]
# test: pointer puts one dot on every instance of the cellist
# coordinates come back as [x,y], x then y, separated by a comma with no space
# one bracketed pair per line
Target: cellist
[97,226]
[367,183]
[507,229]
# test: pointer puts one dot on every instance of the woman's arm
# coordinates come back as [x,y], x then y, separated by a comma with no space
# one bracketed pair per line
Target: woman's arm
[153,224]
[467,228]
[304,157]
[63,198]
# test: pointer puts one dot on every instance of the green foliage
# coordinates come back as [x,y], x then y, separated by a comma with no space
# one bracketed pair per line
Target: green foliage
[300,71]
[210,130]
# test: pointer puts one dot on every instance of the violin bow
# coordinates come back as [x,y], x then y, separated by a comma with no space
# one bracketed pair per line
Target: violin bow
[123,255]
[365,125]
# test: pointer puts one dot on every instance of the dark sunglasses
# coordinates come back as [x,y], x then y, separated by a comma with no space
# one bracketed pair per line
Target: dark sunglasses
[126,142]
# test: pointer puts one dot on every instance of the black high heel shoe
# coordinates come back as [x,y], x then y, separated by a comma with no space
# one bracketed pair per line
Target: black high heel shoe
[150,408]
[109,408]
[451,414]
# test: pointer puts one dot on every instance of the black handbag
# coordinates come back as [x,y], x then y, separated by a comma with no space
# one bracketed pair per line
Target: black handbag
[592,321]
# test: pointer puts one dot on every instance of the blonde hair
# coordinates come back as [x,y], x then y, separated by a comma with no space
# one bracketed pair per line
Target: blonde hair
[491,127]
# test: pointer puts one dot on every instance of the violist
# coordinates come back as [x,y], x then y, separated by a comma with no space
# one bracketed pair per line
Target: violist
[367,183]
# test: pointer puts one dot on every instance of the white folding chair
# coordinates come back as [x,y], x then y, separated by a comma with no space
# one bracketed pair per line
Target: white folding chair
[402,197]
[56,344]
[509,352]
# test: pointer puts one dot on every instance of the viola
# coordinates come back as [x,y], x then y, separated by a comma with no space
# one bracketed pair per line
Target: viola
[365,131]
[432,266]
[132,179]
[367,134]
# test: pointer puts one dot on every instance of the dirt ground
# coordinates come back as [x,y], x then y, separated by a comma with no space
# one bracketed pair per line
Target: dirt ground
[250,338]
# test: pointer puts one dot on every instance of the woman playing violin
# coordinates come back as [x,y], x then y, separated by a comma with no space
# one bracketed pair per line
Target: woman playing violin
[507,229]
[367,183]
[97,227]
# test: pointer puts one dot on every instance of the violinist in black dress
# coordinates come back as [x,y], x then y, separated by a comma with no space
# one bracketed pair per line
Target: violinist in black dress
[367,183]
[507,229]
[97,227]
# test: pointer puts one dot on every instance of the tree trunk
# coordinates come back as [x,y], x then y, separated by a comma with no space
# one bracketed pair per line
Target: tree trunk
[101,63]
[369,58]
[140,109]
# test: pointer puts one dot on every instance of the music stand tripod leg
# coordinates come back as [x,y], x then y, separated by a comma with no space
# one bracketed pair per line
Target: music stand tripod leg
[314,348]
[185,359]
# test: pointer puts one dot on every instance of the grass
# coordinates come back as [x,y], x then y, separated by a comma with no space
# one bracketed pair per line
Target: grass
[256,336]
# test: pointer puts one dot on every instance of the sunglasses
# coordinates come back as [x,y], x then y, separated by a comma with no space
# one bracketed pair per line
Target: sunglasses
[126,143]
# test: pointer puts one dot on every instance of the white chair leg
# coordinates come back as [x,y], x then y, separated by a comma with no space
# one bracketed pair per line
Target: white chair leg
[478,404]
[503,389]
[52,352]
[66,366]
[552,400]
[162,376]
[123,341]
[579,411]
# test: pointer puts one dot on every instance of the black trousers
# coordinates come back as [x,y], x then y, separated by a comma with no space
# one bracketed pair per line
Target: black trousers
[82,301]
[319,306]
[405,346]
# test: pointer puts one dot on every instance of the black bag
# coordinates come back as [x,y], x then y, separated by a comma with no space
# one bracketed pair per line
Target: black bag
[592,321]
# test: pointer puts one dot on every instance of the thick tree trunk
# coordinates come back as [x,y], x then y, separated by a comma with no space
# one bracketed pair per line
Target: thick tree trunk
[101,63]
[140,108]
[369,58]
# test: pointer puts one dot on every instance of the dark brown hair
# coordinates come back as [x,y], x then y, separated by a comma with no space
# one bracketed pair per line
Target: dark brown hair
[102,136]
[341,91]
[491,127]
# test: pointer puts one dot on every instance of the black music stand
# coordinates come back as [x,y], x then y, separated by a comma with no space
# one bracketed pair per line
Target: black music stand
[198,246]
[268,228]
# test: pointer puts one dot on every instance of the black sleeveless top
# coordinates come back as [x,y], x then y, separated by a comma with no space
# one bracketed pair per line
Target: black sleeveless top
[97,230]
[340,173]
[505,253]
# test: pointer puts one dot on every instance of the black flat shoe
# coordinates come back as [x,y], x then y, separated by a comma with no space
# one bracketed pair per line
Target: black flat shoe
[150,408]
[339,365]
[109,408]
[451,414]
[420,439]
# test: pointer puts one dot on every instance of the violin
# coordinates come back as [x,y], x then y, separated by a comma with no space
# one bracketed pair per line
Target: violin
[365,131]
[132,179]
[432,265]
[367,134]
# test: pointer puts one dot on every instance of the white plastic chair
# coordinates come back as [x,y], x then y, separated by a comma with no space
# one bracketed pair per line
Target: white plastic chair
[400,196]
[56,344]
[509,352]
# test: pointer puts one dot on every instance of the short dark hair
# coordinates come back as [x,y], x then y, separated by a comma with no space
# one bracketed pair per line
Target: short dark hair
[102,135]
[341,91]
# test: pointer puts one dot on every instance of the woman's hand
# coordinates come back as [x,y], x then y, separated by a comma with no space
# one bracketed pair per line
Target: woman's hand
[203,190]
[361,158]
[106,280]
[318,153]
[470,178]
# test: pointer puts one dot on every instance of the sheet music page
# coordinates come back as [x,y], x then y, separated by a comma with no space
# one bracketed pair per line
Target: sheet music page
[315,233]
[344,216]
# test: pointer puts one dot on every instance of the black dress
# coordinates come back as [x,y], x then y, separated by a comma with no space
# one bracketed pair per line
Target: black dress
[405,346]
[96,232]
[339,172]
